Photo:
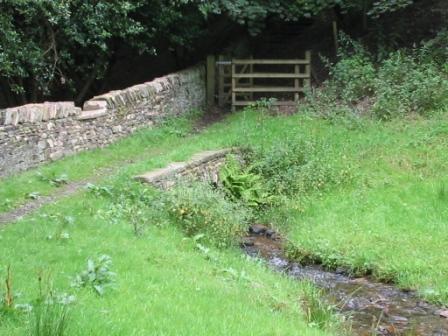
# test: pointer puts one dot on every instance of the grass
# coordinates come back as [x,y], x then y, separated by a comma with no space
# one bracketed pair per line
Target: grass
[145,143]
[391,220]
[145,150]
[164,284]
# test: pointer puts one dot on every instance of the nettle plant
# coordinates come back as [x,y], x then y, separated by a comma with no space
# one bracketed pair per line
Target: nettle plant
[129,202]
[198,208]
[53,179]
[387,84]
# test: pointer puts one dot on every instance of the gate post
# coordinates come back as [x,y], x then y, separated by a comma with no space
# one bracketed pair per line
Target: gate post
[211,75]
[307,81]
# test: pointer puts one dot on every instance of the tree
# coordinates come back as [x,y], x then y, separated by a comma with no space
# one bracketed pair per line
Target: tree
[53,46]
[253,13]
[59,48]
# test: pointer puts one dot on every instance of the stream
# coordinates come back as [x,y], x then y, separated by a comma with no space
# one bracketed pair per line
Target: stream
[374,308]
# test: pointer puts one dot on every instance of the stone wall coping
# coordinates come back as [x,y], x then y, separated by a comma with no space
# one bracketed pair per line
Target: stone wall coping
[134,94]
[38,112]
[154,177]
[97,106]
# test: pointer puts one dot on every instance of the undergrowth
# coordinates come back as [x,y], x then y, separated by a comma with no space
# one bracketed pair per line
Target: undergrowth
[385,84]
[299,167]
[51,316]
[199,209]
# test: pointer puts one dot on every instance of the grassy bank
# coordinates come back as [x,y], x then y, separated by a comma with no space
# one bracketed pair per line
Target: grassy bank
[163,283]
[392,219]
[144,144]
[388,218]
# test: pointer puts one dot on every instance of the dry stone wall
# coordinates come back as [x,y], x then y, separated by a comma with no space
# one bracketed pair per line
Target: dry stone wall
[37,133]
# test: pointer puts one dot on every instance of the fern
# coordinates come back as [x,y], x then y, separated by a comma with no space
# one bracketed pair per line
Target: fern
[243,185]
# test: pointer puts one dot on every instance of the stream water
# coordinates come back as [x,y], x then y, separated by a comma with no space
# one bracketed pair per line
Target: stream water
[374,308]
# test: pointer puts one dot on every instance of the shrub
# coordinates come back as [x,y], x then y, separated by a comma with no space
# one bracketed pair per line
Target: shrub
[405,85]
[436,50]
[324,102]
[353,77]
[199,209]
[403,82]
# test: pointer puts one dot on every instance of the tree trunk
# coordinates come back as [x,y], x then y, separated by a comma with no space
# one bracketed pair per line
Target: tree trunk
[34,91]
[8,98]
[85,88]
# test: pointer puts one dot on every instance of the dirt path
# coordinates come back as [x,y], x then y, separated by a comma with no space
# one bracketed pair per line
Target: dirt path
[73,187]
[33,205]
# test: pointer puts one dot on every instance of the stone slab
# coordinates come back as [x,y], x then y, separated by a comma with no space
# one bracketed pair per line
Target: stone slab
[86,115]
[204,164]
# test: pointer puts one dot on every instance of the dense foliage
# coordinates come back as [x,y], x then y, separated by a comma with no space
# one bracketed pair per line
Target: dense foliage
[46,44]
[49,46]
[253,13]
[56,48]
[387,84]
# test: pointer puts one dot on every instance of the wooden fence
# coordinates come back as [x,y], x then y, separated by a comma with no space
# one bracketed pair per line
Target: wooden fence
[241,82]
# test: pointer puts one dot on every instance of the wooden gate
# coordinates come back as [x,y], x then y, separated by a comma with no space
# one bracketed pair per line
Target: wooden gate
[241,82]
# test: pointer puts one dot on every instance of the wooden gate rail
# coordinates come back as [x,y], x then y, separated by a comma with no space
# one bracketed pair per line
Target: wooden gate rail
[236,77]
[270,61]
[301,79]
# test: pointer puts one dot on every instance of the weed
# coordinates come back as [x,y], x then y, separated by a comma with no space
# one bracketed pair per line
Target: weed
[53,179]
[199,209]
[8,299]
[6,204]
[63,223]
[99,190]
[51,315]
[442,192]
[353,76]
[130,202]
[405,86]
[317,312]
[33,195]
[264,105]
[135,216]
[97,275]
[399,83]
[299,167]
